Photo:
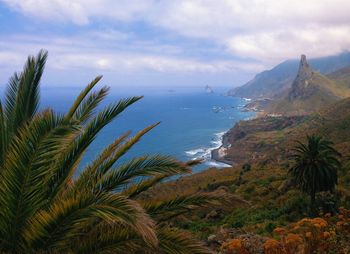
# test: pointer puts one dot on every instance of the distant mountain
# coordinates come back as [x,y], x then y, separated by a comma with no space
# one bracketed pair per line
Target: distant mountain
[270,83]
[310,91]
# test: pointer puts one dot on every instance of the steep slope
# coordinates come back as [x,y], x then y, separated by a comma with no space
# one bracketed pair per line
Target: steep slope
[341,77]
[269,139]
[279,79]
[309,92]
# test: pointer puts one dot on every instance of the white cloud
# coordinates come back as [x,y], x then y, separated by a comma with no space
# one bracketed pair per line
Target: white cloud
[283,44]
[257,28]
[81,53]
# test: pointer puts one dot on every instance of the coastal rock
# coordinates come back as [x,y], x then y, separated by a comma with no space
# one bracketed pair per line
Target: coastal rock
[257,105]
[219,154]
[208,89]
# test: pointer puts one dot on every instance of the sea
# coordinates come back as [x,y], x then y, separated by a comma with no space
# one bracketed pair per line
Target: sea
[193,121]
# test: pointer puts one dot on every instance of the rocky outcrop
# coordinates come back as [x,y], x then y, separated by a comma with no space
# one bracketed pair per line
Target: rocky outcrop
[310,91]
[273,83]
[255,140]
[208,89]
[300,87]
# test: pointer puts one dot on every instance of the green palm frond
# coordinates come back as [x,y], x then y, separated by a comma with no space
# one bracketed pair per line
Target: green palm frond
[141,186]
[137,188]
[27,97]
[315,166]
[88,105]
[174,241]
[65,220]
[69,161]
[164,210]
[81,98]
[46,208]
[140,167]
[22,97]
[107,159]
[105,238]
[3,136]
[23,184]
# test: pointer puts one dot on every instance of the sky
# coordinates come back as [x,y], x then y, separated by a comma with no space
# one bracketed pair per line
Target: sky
[167,43]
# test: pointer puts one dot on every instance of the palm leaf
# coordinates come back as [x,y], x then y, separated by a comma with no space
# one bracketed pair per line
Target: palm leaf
[174,241]
[81,97]
[144,166]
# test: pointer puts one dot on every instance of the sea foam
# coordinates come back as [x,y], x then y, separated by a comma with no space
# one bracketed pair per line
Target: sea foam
[204,153]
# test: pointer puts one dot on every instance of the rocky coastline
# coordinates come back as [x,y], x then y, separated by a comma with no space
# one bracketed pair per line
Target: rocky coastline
[219,154]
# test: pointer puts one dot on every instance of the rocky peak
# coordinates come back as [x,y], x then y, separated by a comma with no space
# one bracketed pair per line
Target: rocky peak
[301,82]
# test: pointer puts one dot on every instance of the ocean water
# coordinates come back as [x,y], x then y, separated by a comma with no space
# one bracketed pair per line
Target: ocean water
[192,122]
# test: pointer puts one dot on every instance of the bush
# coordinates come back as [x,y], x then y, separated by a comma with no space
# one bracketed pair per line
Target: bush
[246,167]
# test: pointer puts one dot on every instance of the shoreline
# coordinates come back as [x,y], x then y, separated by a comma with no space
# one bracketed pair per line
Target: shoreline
[218,154]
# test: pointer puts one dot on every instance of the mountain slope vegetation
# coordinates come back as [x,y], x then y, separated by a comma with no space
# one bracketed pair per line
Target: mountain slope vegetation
[279,79]
[310,91]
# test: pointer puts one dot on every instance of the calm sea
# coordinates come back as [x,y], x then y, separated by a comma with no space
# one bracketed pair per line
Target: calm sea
[192,122]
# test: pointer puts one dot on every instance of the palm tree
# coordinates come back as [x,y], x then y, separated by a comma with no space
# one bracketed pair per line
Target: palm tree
[315,166]
[43,208]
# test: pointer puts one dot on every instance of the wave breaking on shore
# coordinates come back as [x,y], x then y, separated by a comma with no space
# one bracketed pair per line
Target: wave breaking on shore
[205,153]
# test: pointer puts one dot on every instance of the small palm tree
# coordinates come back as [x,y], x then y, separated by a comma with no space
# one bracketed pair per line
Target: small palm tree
[315,166]
[43,208]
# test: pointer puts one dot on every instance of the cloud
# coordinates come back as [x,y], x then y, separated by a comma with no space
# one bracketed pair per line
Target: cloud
[81,53]
[281,44]
[179,36]
[81,12]
[275,29]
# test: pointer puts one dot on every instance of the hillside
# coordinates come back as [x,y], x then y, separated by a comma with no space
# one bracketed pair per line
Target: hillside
[341,77]
[268,139]
[310,91]
[270,83]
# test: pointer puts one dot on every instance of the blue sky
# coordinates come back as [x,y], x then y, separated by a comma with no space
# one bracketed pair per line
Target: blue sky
[159,43]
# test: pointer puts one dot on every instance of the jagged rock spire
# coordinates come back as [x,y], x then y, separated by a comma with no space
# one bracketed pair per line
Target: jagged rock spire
[300,83]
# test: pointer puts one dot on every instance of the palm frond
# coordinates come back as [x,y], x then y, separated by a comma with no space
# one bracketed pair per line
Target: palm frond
[23,183]
[88,105]
[65,219]
[85,179]
[109,238]
[165,210]
[140,167]
[175,241]
[66,166]
[27,97]
[137,188]
[3,136]
[81,97]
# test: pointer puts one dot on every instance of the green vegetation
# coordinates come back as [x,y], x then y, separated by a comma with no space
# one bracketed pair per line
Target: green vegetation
[44,209]
[130,208]
[315,167]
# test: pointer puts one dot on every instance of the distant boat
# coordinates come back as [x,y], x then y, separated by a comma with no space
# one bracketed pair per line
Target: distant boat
[208,89]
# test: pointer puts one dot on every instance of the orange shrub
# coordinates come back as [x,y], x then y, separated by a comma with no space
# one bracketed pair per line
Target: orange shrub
[329,234]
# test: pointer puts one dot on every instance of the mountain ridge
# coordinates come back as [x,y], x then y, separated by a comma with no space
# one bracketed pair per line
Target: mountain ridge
[309,92]
[273,82]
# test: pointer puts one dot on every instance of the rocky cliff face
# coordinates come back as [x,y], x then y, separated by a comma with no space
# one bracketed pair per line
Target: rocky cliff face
[300,85]
[272,83]
[310,91]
